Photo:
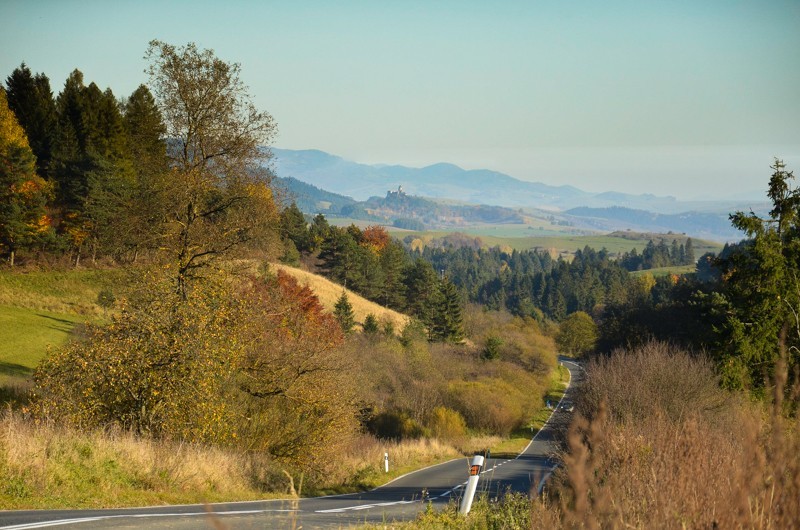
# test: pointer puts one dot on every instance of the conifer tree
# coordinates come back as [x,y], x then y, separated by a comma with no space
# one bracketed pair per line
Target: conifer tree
[761,285]
[294,228]
[447,323]
[147,145]
[343,312]
[392,262]
[420,284]
[31,100]
[68,168]
[689,252]
[370,326]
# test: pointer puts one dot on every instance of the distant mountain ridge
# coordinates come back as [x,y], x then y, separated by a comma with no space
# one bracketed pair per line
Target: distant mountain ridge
[706,225]
[484,196]
[444,181]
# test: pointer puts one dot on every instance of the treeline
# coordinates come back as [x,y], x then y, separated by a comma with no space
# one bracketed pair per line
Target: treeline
[661,255]
[531,283]
[97,157]
[88,174]
[420,281]
[377,267]
[741,306]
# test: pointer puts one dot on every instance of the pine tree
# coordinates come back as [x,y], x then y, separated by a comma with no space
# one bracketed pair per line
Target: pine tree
[761,284]
[343,312]
[294,227]
[31,100]
[689,252]
[447,323]
[148,150]
[68,166]
[370,325]
[393,262]
[675,253]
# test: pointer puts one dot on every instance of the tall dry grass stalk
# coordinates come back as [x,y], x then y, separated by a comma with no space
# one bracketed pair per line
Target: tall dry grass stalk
[659,469]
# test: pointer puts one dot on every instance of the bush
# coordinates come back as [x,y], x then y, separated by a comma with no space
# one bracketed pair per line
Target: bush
[666,448]
[654,378]
[447,424]
[251,363]
[394,425]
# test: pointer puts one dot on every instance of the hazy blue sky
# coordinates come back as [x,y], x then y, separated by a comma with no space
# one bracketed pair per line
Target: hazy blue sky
[690,98]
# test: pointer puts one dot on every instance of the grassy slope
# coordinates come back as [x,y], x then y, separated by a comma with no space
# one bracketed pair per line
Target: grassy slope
[329,292]
[39,310]
[663,271]
[26,335]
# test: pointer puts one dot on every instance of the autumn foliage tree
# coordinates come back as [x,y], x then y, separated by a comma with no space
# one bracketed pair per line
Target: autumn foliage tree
[219,189]
[23,193]
[252,363]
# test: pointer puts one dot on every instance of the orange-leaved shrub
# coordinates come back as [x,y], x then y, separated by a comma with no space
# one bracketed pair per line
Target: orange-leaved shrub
[251,363]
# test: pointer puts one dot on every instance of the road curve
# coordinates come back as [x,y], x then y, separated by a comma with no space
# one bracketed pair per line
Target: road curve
[400,499]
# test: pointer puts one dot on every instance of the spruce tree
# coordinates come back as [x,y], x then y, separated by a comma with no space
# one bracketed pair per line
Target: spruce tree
[31,100]
[447,323]
[370,325]
[68,166]
[689,252]
[294,227]
[343,312]
[392,262]
[147,146]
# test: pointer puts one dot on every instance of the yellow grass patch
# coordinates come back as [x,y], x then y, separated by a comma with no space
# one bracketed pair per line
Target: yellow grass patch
[329,292]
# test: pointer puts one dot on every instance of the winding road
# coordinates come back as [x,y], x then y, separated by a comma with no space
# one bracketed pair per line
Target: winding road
[398,500]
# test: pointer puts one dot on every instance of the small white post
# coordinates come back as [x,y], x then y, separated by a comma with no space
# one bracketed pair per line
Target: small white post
[386,461]
[472,484]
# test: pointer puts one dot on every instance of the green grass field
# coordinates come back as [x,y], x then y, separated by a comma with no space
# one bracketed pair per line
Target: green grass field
[39,310]
[663,271]
[25,336]
[557,243]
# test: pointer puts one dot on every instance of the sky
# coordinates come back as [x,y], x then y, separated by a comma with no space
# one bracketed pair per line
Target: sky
[692,99]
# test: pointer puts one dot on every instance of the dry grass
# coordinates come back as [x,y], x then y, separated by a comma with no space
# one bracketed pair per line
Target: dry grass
[669,467]
[45,466]
[329,292]
[362,464]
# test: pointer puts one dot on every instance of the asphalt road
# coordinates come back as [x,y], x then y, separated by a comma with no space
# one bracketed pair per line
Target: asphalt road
[400,499]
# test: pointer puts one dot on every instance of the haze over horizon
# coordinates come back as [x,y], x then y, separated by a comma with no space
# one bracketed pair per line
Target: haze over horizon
[688,99]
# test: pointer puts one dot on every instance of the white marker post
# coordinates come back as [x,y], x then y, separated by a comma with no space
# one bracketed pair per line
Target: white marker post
[472,484]
[386,461]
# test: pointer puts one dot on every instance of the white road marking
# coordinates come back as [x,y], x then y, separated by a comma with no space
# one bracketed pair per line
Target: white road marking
[61,522]
[367,506]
